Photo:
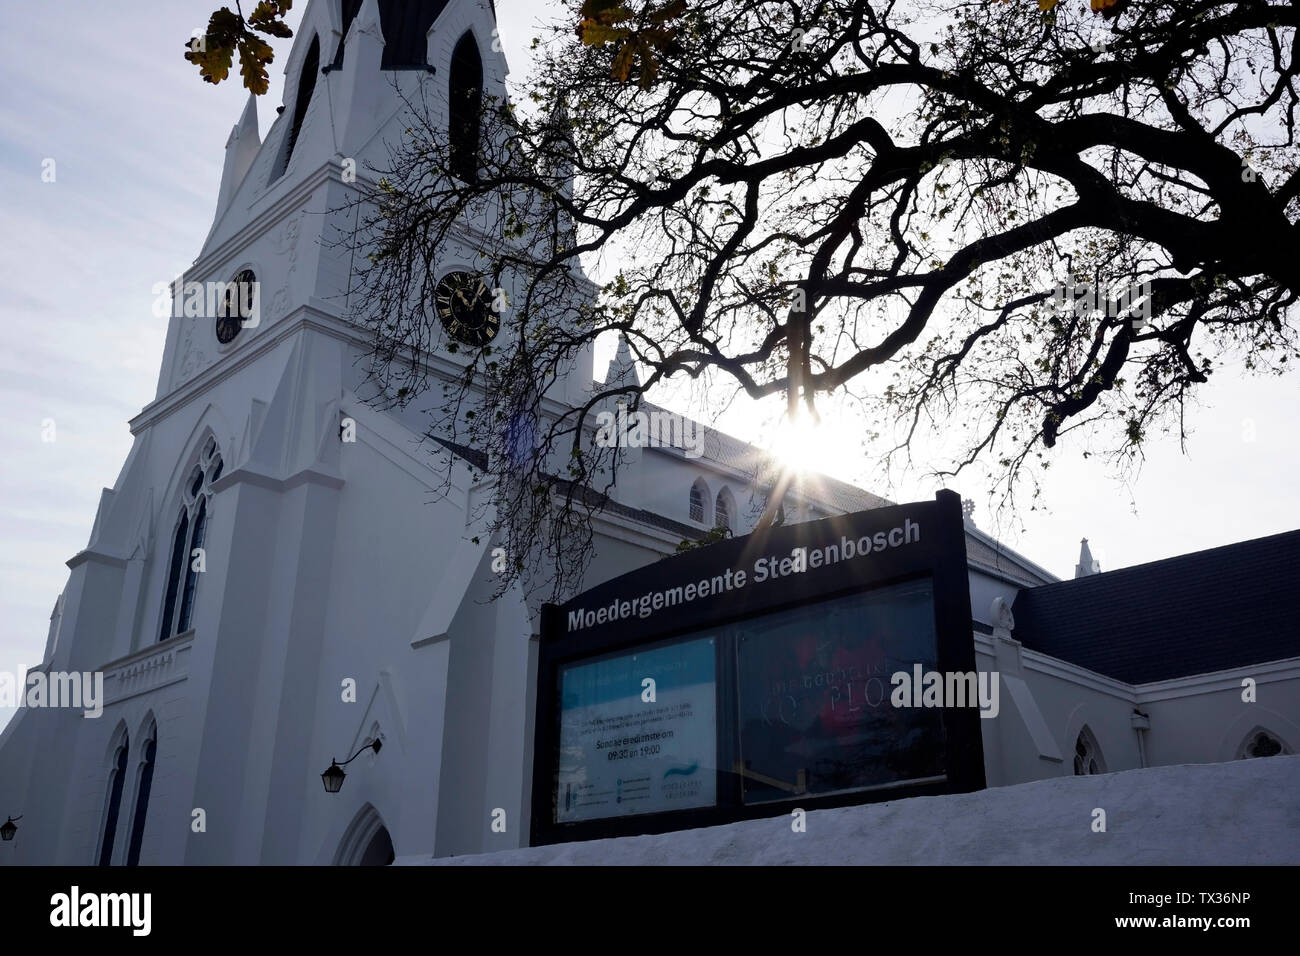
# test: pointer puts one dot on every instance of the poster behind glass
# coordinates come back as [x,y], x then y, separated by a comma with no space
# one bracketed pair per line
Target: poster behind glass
[814,696]
[622,754]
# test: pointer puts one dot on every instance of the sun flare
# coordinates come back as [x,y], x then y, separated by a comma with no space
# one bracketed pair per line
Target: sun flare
[797,444]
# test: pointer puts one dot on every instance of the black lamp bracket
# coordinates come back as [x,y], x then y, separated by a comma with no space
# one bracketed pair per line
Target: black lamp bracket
[373,745]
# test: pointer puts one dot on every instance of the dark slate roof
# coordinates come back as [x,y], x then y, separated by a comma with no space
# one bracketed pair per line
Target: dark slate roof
[1212,610]
[982,551]
[472,455]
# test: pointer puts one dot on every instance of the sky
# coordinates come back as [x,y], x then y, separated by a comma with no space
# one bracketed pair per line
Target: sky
[110,158]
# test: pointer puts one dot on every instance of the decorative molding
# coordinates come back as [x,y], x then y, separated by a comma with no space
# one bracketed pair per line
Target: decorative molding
[148,669]
[316,316]
[630,531]
[427,641]
[89,556]
[1009,575]
[1003,620]
[284,243]
[193,358]
[1055,667]
[1266,672]
[308,476]
[263,221]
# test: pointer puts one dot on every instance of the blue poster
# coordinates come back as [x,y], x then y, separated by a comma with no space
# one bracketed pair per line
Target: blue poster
[638,733]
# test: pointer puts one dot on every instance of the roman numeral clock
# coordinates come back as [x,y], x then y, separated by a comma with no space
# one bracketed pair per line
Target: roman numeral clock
[464,306]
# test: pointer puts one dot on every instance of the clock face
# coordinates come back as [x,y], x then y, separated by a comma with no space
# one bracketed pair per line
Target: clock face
[238,294]
[464,304]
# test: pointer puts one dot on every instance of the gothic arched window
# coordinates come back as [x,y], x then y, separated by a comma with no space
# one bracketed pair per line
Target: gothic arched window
[116,779]
[174,573]
[723,509]
[143,786]
[191,576]
[306,85]
[191,529]
[1087,754]
[464,107]
[699,499]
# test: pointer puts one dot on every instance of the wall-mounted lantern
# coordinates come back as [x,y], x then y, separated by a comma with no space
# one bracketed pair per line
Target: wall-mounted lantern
[333,777]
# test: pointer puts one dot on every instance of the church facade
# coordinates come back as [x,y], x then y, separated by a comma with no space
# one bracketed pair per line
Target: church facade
[341,591]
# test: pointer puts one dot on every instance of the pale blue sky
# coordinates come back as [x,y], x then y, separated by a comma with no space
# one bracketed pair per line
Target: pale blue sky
[138,142]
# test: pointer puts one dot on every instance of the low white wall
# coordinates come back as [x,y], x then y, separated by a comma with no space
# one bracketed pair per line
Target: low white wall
[1243,812]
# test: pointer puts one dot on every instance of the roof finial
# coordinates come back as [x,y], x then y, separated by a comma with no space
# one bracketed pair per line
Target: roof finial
[1086,565]
[1004,622]
[622,368]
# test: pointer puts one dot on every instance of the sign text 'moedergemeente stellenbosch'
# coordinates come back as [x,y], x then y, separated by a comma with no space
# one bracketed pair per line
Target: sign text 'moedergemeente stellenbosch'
[765,569]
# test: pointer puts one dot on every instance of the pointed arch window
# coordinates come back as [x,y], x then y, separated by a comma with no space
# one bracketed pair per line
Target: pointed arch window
[699,501]
[191,530]
[174,573]
[116,780]
[723,509]
[1087,754]
[465,107]
[191,575]
[144,786]
[306,86]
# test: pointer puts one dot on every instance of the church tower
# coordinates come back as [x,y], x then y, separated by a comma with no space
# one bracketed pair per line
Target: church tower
[283,577]
[281,574]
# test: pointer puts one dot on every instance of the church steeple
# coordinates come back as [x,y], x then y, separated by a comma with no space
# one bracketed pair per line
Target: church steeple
[241,150]
[364,38]
[622,367]
[282,209]
[1087,565]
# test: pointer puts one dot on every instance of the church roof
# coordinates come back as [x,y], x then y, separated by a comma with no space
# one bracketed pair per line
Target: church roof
[833,496]
[840,497]
[1194,614]
[597,500]
[989,554]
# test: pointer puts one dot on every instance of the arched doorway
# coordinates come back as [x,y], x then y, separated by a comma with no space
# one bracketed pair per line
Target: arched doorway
[379,852]
[366,842]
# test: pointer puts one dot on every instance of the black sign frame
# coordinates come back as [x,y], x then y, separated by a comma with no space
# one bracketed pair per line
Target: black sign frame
[939,554]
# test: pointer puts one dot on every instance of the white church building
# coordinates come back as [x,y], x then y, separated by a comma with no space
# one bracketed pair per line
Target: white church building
[332,564]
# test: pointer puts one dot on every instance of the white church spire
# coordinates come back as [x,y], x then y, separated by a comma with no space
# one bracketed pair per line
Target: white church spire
[1087,565]
[362,82]
[622,368]
[241,150]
